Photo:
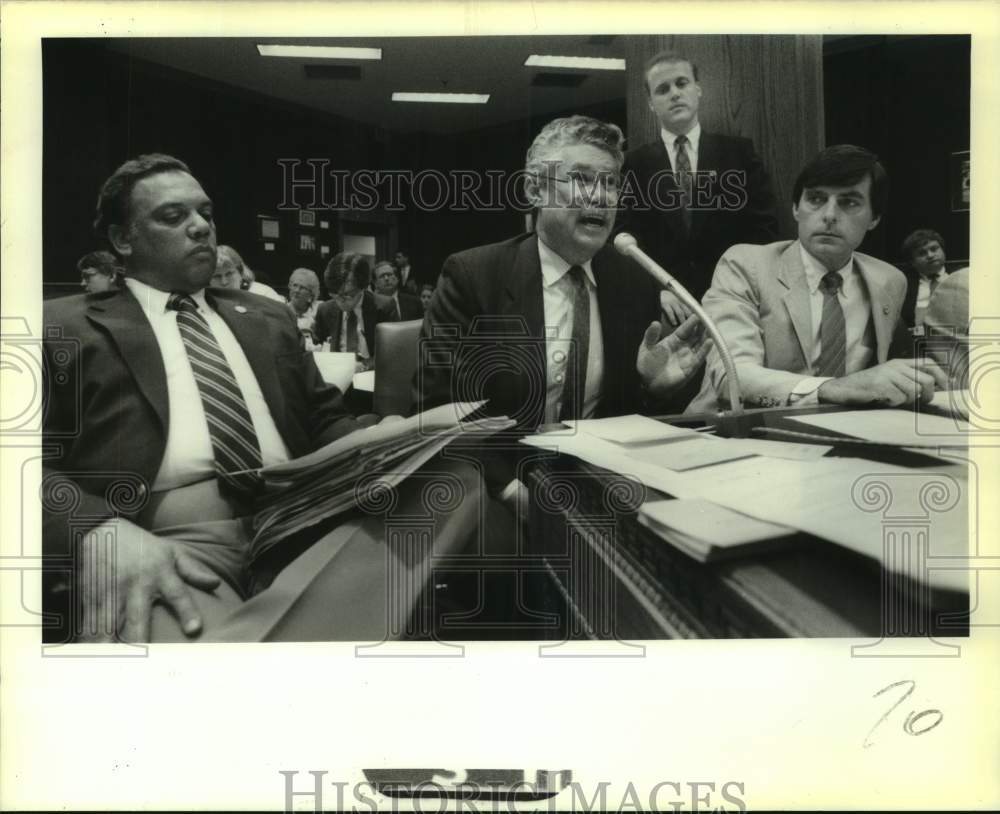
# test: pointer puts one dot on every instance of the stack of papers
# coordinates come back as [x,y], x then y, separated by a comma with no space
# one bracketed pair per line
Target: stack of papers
[300,493]
[709,532]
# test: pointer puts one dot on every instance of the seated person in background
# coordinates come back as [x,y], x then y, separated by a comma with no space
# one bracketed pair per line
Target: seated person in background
[407,282]
[554,324]
[923,250]
[947,328]
[303,299]
[232,272]
[404,305]
[99,271]
[812,321]
[227,272]
[346,322]
[426,295]
[173,393]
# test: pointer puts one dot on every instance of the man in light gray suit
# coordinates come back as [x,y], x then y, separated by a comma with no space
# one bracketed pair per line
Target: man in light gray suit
[813,321]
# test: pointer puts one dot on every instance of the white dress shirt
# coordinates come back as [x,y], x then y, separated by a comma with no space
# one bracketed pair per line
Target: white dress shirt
[188,457]
[856,304]
[557,298]
[670,142]
[925,287]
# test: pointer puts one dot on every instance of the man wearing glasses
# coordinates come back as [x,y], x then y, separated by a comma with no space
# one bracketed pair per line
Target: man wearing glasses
[99,271]
[347,320]
[554,325]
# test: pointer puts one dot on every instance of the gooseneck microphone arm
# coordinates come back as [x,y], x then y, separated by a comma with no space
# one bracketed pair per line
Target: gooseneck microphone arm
[628,246]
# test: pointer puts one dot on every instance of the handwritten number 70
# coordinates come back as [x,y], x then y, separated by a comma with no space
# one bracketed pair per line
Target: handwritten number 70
[914,724]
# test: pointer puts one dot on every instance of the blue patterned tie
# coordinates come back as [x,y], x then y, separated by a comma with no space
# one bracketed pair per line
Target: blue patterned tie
[832,334]
[234,440]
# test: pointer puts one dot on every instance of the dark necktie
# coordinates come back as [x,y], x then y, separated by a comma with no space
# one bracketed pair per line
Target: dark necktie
[574,387]
[234,440]
[832,334]
[351,343]
[684,180]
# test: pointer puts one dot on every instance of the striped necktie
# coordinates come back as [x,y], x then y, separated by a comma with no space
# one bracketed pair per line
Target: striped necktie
[684,180]
[575,385]
[832,333]
[234,440]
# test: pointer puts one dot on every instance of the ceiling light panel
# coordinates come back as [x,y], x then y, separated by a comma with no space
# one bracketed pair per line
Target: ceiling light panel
[575,63]
[318,52]
[448,98]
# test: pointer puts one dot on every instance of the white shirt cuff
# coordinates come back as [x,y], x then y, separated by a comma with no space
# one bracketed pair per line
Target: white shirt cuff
[806,392]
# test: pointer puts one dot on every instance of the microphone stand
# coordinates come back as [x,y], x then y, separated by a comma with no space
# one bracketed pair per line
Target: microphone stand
[627,245]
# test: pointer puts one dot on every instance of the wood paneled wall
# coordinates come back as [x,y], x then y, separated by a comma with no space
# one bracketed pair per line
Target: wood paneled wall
[766,88]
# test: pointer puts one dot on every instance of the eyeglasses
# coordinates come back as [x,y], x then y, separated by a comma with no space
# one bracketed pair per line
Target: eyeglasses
[589,182]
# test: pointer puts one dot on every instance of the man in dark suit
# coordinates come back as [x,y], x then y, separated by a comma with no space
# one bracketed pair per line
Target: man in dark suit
[404,306]
[923,250]
[690,195]
[162,398]
[407,279]
[554,324]
[348,319]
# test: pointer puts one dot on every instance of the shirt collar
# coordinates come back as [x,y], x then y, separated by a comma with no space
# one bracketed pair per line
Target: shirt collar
[693,137]
[815,271]
[554,267]
[154,300]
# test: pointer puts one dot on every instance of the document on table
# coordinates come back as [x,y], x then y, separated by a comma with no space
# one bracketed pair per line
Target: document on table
[631,429]
[831,498]
[336,368]
[904,428]
[688,453]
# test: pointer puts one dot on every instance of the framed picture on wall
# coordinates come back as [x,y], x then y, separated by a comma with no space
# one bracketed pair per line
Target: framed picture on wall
[307,218]
[307,243]
[959,179]
[268,227]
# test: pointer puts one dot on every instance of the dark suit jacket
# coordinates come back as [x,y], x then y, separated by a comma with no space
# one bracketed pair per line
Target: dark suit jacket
[410,307]
[328,316]
[484,337]
[910,300]
[106,399]
[736,205]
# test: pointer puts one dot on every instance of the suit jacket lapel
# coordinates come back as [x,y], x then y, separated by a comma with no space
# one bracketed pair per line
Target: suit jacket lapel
[123,319]
[368,318]
[522,298]
[249,326]
[792,275]
[881,308]
[522,295]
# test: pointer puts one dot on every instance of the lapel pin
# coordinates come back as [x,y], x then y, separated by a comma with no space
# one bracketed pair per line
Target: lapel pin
[241,310]
[885,310]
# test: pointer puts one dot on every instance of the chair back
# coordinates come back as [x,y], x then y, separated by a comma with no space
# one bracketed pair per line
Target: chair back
[395,364]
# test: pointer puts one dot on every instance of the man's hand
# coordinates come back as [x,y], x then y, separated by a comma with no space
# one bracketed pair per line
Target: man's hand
[118,591]
[674,310]
[664,364]
[896,382]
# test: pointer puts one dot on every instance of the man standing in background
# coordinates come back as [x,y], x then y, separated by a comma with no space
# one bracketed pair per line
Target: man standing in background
[690,195]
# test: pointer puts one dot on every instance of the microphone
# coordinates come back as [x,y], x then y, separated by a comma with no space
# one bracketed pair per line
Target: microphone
[627,245]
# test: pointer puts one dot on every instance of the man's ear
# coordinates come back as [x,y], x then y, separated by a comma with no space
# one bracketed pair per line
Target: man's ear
[795,211]
[119,237]
[533,189]
[874,223]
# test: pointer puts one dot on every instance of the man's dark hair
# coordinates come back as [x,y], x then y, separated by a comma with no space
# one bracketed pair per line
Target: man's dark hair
[341,265]
[116,192]
[666,57]
[916,239]
[844,165]
[104,262]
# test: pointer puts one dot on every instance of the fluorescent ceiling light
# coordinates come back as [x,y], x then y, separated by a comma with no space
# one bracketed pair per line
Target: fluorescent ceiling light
[453,98]
[579,63]
[319,52]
